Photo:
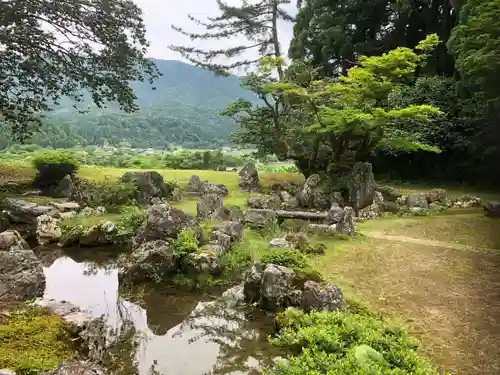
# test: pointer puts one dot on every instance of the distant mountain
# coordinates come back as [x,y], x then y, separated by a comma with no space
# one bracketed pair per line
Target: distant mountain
[183,110]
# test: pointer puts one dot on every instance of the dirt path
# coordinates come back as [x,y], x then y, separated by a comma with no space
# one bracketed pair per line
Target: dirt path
[448,294]
[426,242]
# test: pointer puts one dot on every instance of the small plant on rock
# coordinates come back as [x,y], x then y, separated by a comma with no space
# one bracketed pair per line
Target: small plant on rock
[186,243]
[293,259]
[52,167]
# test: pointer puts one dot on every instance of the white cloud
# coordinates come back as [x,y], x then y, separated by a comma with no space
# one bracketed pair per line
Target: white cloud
[159,16]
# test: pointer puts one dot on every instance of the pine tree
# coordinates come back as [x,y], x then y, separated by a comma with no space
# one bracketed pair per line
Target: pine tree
[255,21]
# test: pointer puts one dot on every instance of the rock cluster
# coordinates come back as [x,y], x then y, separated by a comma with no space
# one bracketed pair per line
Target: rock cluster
[275,287]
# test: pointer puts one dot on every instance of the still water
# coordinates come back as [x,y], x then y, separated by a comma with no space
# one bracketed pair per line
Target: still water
[182,333]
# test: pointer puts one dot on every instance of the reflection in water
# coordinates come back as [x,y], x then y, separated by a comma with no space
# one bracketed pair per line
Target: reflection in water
[184,336]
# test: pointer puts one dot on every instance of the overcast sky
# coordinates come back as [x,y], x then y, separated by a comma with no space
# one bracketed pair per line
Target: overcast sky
[159,17]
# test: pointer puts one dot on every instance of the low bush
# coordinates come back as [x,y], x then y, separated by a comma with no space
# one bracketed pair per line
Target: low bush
[345,343]
[108,193]
[185,243]
[52,167]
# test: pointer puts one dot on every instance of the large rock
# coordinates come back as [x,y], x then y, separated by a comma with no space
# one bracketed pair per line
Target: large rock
[417,200]
[272,202]
[163,221]
[194,184]
[211,207]
[94,337]
[347,226]
[491,209]
[204,261]
[66,206]
[62,190]
[260,219]
[436,195]
[76,368]
[4,221]
[12,240]
[47,229]
[248,179]
[288,201]
[218,189]
[321,297]
[148,185]
[24,212]
[21,275]
[98,235]
[234,229]
[152,260]
[335,214]
[306,197]
[361,186]
[276,285]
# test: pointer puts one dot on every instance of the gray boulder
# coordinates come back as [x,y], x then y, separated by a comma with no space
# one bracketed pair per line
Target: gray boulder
[248,179]
[211,207]
[347,226]
[279,243]
[491,209]
[147,185]
[417,200]
[76,368]
[221,239]
[260,219]
[276,284]
[24,212]
[152,260]
[436,196]
[361,186]
[217,189]
[251,286]
[206,260]
[12,240]
[272,202]
[194,184]
[47,229]
[335,214]
[21,275]
[163,221]
[98,235]
[306,197]
[234,229]
[288,200]
[235,213]
[65,206]
[321,297]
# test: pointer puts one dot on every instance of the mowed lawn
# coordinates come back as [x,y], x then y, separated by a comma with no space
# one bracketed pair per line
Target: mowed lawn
[437,274]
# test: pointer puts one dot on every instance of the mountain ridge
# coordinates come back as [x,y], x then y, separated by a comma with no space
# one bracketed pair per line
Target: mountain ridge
[183,110]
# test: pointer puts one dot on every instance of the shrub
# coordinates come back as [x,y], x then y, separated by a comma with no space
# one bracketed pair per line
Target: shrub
[52,167]
[108,193]
[345,343]
[186,243]
[285,257]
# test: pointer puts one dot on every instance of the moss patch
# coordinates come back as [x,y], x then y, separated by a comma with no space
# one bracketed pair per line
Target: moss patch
[32,341]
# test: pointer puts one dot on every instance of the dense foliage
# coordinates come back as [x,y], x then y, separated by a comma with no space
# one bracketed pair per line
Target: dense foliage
[127,157]
[49,52]
[345,343]
[52,167]
[459,77]
[328,125]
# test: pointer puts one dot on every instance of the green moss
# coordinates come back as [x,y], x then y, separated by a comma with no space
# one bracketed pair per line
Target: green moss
[32,341]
